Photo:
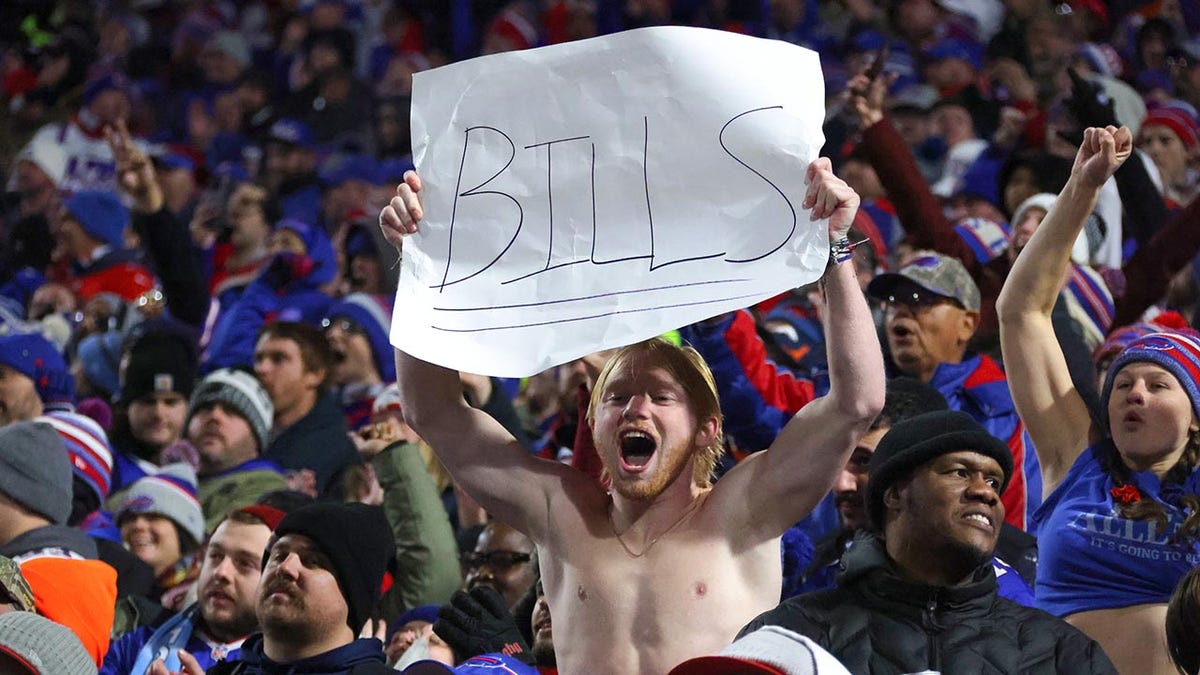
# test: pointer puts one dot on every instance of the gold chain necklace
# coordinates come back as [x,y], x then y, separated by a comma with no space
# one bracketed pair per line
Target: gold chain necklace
[687,512]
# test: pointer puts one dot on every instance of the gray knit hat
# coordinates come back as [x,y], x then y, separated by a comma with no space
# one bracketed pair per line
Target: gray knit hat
[47,647]
[241,391]
[170,493]
[35,469]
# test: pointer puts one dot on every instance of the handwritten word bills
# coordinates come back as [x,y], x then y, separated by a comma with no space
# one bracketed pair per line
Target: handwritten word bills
[594,194]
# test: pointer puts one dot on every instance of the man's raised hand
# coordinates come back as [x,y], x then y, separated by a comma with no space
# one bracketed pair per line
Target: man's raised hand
[401,215]
[135,173]
[829,197]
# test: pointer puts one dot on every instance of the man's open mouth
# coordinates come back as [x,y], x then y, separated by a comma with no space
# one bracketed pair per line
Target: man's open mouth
[637,448]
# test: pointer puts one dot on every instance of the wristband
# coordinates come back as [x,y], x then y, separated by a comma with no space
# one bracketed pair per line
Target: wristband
[841,250]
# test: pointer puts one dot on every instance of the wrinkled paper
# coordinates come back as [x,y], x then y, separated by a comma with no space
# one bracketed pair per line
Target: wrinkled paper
[597,193]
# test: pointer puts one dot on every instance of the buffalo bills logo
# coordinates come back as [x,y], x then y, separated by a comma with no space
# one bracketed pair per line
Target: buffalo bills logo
[927,262]
[1155,343]
[140,504]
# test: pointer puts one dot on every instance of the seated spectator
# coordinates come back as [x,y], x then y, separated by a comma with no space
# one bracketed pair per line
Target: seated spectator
[320,583]
[33,378]
[293,361]
[290,288]
[214,627]
[918,593]
[1169,135]
[158,377]
[71,586]
[229,422]
[425,544]
[91,234]
[161,523]
[932,311]
[906,398]
[504,560]
[1117,492]
[291,170]
[91,462]
[357,329]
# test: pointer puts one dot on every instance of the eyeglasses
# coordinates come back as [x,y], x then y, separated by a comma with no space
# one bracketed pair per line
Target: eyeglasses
[496,560]
[345,325]
[919,299]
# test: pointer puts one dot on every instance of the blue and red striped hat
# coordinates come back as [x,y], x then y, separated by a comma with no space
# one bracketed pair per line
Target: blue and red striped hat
[170,493]
[1178,352]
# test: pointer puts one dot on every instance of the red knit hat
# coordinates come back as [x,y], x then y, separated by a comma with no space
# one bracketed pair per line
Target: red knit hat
[1177,120]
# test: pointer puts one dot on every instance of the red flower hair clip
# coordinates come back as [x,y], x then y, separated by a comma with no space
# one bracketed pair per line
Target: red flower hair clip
[1126,494]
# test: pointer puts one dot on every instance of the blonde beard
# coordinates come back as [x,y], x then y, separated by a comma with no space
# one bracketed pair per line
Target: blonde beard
[662,477]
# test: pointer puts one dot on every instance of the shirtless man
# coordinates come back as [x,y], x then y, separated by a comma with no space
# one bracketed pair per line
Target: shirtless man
[665,567]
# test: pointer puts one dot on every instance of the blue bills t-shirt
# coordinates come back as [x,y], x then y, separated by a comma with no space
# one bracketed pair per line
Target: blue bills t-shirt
[1091,558]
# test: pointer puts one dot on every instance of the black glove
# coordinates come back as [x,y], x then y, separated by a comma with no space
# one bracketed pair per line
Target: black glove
[479,623]
[1089,103]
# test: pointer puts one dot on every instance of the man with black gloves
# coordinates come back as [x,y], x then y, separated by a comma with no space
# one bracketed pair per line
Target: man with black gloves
[478,622]
[320,583]
[919,592]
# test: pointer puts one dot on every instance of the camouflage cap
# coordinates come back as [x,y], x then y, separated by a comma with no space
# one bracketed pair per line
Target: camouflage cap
[935,273]
[13,585]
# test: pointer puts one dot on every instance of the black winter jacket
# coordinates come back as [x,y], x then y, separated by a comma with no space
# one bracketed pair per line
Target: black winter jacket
[877,622]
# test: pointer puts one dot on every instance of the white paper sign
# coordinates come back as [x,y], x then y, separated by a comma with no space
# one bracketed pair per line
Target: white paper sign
[597,193]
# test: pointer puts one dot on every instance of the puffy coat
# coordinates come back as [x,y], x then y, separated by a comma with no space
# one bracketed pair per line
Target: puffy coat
[877,622]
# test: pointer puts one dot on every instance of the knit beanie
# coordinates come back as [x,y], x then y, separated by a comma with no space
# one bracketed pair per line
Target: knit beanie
[100,355]
[374,316]
[358,540]
[1120,338]
[987,239]
[242,392]
[88,447]
[42,645]
[170,493]
[34,357]
[916,440]
[101,214]
[35,470]
[159,363]
[79,594]
[1177,352]
[1177,120]
[1042,200]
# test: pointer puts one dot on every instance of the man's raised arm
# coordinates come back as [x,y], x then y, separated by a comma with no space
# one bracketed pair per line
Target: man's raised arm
[784,483]
[480,454]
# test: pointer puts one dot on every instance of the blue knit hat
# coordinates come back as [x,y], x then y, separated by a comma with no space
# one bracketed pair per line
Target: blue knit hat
[1176,352]
[316,246]
[34,357]
[101,215]
[374,316]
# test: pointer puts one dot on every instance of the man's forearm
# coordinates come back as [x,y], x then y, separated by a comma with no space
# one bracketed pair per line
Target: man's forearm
[856,373]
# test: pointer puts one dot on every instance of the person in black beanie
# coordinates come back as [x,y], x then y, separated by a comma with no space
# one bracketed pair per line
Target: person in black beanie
[917,591]
[321,581]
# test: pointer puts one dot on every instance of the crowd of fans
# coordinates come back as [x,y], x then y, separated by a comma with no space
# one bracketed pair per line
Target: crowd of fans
[200,418]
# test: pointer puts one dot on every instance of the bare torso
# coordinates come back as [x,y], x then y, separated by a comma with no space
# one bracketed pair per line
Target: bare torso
[1134,638]
[687,595]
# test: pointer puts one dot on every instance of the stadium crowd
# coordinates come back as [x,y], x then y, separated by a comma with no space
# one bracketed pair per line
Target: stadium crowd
[972,446]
